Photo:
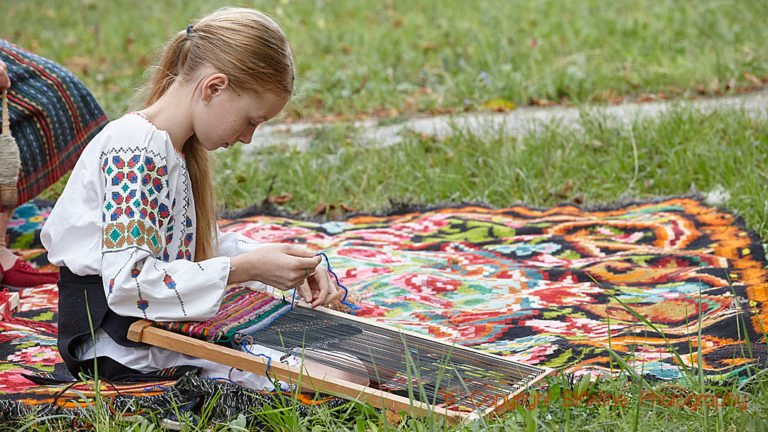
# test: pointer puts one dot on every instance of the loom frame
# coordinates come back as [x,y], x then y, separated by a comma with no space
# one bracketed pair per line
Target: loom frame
[11,306]
[144,331]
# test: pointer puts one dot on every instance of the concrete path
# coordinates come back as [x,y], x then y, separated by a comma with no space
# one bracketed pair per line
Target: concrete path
[518,121]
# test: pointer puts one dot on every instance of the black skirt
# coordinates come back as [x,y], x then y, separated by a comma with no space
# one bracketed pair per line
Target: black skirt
[83,309]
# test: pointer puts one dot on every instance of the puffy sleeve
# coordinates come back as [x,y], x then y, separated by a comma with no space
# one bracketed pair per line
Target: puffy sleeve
[148,236]
[233,244]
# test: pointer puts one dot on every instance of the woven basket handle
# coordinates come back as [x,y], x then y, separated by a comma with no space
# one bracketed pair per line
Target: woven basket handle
[6,123]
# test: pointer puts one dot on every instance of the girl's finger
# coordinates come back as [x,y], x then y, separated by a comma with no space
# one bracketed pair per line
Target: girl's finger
[308,265]
[298,251]
[304,292]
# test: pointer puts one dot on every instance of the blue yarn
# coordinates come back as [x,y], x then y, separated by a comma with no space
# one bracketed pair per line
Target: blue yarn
[222,379]
[346,291]
[269,359]
[293,302]
[156,387]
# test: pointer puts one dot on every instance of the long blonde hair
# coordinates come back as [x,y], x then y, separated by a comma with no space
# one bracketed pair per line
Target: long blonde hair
[248,47]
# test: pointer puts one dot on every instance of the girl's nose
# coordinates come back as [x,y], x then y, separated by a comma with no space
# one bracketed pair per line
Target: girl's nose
[247,135]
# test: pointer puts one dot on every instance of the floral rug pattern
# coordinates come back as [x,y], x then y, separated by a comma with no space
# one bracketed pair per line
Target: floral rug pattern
[562,287]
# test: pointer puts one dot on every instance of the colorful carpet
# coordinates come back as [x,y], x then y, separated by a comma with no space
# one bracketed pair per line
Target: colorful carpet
[560,287]
[549,287]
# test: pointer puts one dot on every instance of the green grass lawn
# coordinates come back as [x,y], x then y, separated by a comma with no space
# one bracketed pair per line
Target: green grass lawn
[363,58]
[357,58]
[600,162]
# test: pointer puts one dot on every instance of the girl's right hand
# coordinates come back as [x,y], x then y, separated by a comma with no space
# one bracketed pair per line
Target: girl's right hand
[283,266]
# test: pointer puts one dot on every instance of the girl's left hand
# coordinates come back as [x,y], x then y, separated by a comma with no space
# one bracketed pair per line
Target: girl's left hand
[319,288]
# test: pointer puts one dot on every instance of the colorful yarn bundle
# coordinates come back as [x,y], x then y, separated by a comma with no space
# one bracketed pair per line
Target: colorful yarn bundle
[243,310]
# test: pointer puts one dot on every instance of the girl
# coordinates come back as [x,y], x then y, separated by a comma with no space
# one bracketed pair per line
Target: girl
[134,231]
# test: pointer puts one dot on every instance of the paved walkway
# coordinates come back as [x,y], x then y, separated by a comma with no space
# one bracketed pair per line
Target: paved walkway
[518,121]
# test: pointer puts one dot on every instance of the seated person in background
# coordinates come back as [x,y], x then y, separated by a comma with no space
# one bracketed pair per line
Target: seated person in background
[52,116]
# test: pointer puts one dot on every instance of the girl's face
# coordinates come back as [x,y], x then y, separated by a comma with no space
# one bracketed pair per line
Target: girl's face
[223,117]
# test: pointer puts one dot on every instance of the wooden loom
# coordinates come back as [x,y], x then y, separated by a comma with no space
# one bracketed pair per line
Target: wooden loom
[9,304]
[481,404]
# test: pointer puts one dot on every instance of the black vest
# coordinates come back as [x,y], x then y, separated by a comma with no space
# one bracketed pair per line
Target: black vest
[75,328]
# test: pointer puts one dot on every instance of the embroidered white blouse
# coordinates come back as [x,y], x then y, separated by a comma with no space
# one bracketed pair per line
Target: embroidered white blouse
[127,214]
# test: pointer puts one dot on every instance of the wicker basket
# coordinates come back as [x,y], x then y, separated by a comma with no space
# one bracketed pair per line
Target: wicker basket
[10,162]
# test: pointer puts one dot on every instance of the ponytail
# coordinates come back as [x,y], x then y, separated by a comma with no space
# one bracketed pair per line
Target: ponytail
[173,58]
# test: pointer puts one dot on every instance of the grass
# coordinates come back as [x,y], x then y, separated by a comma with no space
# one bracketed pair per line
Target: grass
[683,151]
[625,403]
[394,59]
[361,58]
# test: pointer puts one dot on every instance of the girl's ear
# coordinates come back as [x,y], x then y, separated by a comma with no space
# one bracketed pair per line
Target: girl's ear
[213,85]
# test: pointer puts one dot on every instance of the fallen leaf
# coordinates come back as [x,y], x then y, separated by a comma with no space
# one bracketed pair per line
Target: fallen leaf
[499,104]
[392,417]
[753,78]
[542,102]
[646,97]
[281,199]
[321,208]
[333,209]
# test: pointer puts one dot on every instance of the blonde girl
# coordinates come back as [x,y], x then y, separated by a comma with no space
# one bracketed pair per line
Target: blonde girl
[134,231]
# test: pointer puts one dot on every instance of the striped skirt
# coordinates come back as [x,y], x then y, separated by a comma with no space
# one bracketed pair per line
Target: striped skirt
[52,115]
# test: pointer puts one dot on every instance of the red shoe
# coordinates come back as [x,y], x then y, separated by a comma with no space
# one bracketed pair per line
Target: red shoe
[22,275]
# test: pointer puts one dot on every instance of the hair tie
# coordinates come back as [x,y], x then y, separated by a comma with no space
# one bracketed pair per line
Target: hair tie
[190,30]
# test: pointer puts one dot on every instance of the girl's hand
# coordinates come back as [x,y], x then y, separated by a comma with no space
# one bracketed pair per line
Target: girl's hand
[5,81]
[318,289]
[283,266]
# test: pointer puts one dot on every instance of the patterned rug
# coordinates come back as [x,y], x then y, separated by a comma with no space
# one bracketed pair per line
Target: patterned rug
[549,287]
[560,287]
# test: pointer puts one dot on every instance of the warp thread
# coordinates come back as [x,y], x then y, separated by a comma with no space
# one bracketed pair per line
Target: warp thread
[293,301]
